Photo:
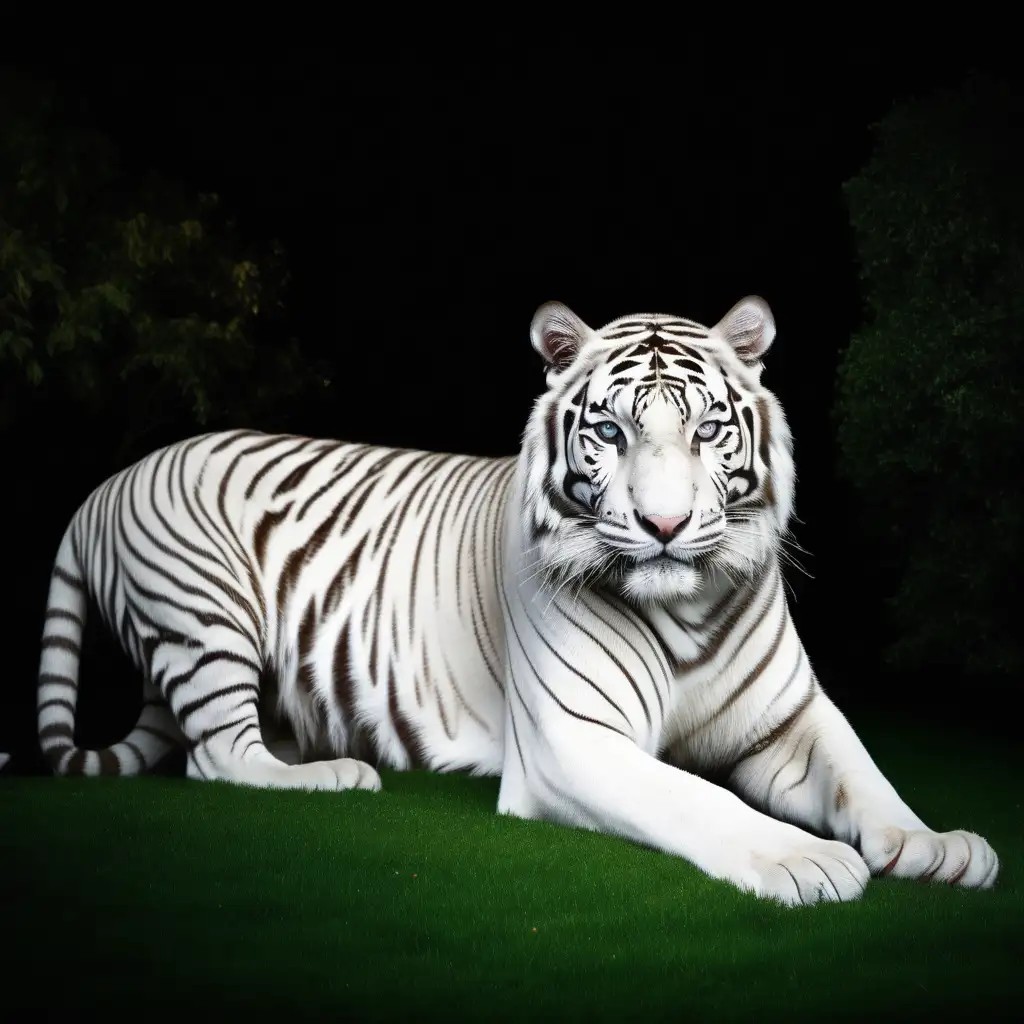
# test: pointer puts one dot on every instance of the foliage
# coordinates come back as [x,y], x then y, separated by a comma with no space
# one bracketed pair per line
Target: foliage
[122,295]
[929,391]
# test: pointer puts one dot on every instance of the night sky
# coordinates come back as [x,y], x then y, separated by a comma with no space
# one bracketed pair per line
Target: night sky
[427,210]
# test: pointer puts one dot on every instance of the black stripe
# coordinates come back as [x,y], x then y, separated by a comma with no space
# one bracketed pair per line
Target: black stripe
[519,695]
[408,734]
[57,730]
[246,720]
[350,568]
[297,475]
[590,682]
[63,613]
[254,742]
[454,483]
[595,606]
[229,438]
[614,658]
[757,671]
[137,751]
[171,685]
[167,572]
[212,555]
[269,464]
[344,682]
[57,702]
[56,677]
[269,521]
[807,767]
[62,643]
[66,577]
[515,736]
[569,711]
[187,710]
[205,619]
[782,728]
[369,476]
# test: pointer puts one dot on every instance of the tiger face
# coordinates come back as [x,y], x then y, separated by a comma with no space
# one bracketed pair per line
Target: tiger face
[656,459]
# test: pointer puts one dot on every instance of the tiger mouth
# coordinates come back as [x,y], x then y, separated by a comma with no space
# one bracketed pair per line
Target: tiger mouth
[687,558]
[689,553]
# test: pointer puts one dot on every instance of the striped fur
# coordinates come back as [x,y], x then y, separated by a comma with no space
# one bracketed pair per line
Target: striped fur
[601,620]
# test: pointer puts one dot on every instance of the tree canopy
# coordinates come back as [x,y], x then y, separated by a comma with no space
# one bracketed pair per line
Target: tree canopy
[929,391]
[123,295]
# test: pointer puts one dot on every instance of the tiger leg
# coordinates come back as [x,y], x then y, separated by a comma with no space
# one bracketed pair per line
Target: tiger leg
[586,776]
[214,697]
[815,772]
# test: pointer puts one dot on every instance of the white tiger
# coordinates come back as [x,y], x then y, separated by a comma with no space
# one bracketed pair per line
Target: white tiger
[600,620]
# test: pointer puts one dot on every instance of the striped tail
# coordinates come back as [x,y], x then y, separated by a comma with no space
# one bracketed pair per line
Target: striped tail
[155,734]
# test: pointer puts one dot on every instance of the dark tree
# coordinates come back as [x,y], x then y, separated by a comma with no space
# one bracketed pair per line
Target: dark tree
[929,391]
[127,300]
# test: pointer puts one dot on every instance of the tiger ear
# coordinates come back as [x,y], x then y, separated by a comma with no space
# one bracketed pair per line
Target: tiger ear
[558,334]
[749,328]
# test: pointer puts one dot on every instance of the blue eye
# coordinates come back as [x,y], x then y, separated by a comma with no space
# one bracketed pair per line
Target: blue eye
[607,431]
[708,430]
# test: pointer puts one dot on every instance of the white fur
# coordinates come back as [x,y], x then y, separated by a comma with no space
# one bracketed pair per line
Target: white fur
[483,612]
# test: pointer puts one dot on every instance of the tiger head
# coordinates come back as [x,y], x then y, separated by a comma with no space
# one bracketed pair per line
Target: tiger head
[656,458]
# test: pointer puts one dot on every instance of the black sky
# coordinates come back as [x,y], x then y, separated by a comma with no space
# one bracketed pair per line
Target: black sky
[428,208]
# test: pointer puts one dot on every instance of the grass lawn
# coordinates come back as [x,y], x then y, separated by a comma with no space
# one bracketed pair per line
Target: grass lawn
[166,895]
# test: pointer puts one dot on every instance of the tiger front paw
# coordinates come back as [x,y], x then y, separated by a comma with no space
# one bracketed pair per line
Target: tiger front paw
[956,858]
[793,867]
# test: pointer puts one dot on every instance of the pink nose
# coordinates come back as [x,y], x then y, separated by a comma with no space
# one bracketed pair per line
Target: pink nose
[663,527]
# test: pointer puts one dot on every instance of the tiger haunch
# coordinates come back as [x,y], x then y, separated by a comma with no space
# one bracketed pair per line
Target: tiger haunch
[600,620]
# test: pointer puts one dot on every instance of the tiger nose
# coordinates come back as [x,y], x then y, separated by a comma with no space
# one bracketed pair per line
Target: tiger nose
[663,527]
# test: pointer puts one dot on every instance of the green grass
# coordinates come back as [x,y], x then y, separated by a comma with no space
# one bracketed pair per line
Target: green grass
[420,901]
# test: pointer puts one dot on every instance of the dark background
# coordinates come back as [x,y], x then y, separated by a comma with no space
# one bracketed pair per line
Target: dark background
[427,209]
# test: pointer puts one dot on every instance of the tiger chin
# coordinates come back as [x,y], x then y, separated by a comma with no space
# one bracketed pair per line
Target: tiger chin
[599,620]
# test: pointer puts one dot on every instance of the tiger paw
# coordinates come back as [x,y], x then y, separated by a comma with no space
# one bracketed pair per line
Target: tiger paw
[956,858]
[342,773]
[796,868]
